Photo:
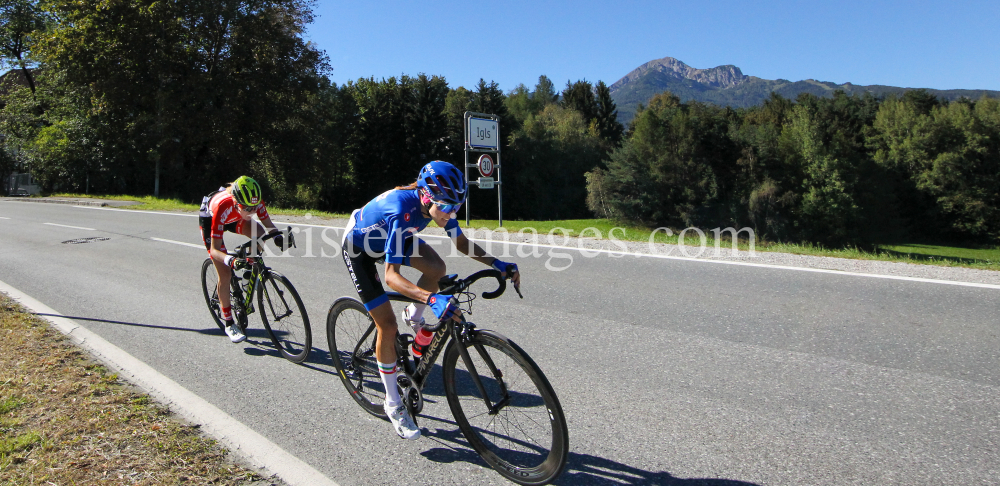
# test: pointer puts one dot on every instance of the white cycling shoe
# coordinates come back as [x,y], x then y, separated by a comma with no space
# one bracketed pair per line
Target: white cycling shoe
[234,333]
[402,423]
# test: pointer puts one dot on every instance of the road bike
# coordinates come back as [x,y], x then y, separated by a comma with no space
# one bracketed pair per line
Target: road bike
[500,399]
[280,306]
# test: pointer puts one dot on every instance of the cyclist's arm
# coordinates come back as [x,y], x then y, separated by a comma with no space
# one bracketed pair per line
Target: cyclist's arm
[478,254]
[473,250]
[400,284]
[265,219]
[463,244]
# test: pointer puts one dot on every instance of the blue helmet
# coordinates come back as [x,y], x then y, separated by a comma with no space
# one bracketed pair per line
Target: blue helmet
[444,183]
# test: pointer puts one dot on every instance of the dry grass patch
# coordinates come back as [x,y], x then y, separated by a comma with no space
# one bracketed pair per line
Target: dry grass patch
[66,420]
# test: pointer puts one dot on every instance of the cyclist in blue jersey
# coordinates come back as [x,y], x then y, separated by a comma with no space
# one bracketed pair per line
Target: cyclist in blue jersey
[385,228]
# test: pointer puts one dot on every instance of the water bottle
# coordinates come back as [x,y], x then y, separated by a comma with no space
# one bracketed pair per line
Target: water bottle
[420,341]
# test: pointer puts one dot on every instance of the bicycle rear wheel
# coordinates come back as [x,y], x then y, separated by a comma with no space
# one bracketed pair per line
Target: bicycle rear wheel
[351,334]
[523,434]
[284,317]
[210,287]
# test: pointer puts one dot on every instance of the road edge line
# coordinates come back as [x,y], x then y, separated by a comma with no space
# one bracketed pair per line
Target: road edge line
[231,433]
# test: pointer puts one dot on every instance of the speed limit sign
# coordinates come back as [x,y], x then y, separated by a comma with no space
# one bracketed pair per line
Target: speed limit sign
[485,165]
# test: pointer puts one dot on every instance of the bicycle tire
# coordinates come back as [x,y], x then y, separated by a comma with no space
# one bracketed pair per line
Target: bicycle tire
[539,454]
[351,335]
[212,297]
[289,328]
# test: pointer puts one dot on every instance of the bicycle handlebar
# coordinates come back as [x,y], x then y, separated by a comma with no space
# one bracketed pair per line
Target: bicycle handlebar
[462,284]
[245,247]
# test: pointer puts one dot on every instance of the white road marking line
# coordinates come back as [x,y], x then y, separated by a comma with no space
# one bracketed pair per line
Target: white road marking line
[134,211]
[192,245]
[230,432]
[744,264]
[1,217]
[68,226]
[670,257]
[310,225]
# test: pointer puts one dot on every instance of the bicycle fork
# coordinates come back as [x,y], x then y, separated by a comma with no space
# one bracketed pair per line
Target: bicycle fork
[460,339]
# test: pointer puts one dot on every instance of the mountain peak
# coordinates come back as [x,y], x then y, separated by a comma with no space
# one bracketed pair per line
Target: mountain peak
[726,76]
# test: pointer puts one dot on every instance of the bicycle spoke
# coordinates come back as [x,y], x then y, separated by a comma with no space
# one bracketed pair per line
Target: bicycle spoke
[523,434]
[285,318]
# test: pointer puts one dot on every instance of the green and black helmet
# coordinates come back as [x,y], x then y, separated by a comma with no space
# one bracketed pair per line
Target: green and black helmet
[247,192]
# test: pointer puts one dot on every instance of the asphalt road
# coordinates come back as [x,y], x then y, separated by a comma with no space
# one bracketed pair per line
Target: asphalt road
[670,372]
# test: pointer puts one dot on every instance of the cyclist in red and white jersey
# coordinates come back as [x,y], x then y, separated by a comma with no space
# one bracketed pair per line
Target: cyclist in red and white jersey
[231,208]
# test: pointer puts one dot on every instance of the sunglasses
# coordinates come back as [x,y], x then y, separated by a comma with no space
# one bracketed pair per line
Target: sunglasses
[447,208]
[248,209]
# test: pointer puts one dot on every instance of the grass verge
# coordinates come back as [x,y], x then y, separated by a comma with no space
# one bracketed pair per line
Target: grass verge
[67,420]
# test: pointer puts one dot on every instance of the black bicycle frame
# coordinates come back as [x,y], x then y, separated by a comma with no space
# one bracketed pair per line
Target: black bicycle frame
[458,332]
[258,270]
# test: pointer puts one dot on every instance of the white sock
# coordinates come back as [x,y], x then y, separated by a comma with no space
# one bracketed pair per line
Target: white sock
[416,311]
[392,398]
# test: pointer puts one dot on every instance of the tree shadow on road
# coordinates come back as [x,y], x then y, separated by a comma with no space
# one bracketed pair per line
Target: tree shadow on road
[581,469]
[259,341]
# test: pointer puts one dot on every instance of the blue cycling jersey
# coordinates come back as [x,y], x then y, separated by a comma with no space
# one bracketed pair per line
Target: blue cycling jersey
[386,225]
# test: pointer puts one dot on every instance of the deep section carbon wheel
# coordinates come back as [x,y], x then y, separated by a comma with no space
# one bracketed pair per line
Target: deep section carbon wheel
[284,317]
[351,334]
[518,427]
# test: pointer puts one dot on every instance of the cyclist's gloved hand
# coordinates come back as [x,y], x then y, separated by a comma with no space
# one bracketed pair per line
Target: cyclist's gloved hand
[239,263]
[510,271]
[442,306]
[505,267]
[279,239]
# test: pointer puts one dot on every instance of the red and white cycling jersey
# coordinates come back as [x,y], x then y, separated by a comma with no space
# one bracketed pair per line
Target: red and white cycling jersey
[221,208]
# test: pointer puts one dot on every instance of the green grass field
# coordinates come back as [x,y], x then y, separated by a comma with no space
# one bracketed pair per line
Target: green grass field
[928,254]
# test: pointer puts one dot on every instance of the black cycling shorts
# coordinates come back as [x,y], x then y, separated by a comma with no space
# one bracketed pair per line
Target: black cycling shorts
[206,232]
[361,266]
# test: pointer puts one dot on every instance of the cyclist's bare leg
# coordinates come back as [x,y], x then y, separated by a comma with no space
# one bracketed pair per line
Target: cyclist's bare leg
[218,255]
[385,322]
[252,229]
[224,276]
[385,351]
[430,264]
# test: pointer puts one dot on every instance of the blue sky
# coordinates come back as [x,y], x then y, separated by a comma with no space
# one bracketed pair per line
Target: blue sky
[942,45]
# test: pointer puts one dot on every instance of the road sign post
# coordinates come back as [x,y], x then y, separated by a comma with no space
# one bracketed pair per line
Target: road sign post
[482,134]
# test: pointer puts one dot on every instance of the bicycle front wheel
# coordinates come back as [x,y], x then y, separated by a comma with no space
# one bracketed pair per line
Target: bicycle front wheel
[518,427]
[351,334]
[284,317]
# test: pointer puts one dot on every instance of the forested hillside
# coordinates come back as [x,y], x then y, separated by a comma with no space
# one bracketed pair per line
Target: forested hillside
[162,98]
